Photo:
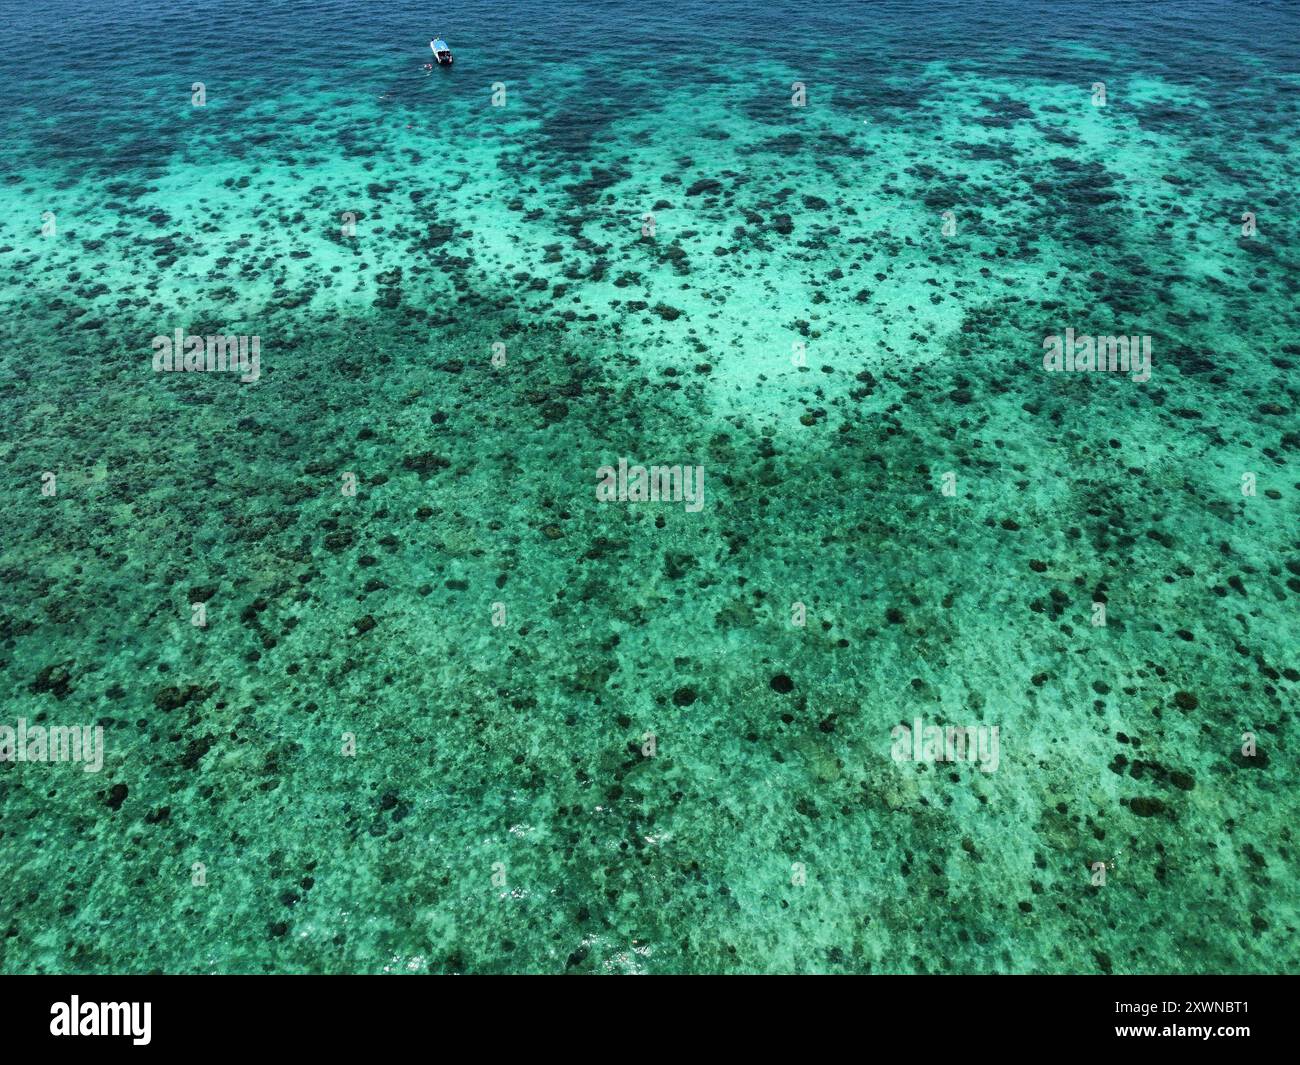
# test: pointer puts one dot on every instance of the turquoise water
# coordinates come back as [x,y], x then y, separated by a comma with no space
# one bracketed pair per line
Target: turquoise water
[836,310]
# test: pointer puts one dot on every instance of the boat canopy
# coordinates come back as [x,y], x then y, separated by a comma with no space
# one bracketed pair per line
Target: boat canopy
[439,45]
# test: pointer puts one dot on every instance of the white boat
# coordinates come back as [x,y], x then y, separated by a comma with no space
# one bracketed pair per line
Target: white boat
[441,52]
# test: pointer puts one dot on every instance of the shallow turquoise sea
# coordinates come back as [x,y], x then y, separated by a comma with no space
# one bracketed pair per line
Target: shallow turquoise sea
[446,710]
